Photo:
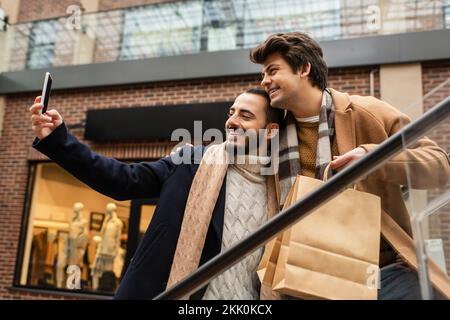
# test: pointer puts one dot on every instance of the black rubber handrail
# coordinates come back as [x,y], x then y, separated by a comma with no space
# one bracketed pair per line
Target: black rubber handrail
[302,208]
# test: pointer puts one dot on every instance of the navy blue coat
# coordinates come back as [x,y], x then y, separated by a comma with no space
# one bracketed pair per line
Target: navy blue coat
[149,269]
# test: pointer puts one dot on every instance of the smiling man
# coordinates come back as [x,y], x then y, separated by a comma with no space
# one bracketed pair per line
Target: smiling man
[202,209]
[324,125]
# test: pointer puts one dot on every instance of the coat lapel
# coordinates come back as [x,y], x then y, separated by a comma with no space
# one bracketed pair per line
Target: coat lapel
[345,131]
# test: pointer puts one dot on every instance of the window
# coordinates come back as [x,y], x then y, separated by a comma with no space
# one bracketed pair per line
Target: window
[76,238]
[42,42]
[222,24]
[447,14]
[262,18]
[162,30]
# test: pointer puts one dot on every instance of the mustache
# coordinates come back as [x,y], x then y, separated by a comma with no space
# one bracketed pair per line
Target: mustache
[241,132]
[235,131]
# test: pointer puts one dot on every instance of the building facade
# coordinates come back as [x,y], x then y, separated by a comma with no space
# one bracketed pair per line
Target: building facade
[120,59]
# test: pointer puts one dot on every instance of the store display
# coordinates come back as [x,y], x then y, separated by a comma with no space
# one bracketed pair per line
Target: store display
[39,251]
[69,226]
[108,245]
[73,244]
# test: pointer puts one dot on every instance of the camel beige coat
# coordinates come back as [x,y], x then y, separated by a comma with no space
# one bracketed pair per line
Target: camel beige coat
[365,122]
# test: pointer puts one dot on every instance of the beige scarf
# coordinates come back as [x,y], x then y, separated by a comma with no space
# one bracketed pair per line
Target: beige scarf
[198,212]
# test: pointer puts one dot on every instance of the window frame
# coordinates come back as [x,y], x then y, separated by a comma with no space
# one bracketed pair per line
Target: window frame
[132,241]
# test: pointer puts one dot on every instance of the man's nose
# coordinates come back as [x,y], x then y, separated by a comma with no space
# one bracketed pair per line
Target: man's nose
[265,81]
[231,122]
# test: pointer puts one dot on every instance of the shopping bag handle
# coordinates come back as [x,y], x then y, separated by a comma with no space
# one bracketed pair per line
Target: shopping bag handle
[325,175]
[325,172]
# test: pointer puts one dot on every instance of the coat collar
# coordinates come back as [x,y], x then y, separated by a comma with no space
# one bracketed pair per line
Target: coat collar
[345,130]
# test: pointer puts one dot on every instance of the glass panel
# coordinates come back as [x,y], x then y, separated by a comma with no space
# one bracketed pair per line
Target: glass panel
[427,195]
[413,186]
[76,237]
[222,23]
[185,27]
[447,14]
[42,44]
[320,19]
[162,30]
[221,38]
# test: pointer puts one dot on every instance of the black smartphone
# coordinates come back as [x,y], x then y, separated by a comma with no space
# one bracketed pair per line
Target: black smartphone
[46,91]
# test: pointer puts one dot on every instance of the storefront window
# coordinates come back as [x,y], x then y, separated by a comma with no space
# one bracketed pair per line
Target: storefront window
[76,238]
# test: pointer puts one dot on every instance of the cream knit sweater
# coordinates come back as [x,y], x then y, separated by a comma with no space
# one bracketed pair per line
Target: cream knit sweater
[245,211]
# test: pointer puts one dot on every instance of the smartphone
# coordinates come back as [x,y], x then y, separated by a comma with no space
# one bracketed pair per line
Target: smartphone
[46,91]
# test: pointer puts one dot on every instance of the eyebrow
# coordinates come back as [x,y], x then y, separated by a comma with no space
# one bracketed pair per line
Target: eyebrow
[270,66]
[243,111]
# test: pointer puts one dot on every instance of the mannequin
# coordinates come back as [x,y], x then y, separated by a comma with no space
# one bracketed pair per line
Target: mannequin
[74,245]
[108,245]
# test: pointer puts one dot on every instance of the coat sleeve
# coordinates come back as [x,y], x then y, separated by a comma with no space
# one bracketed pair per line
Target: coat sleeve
[113,178]
[426,164]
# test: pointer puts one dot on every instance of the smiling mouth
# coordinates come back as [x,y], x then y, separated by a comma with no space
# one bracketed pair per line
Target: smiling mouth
[273,91]
[235,133]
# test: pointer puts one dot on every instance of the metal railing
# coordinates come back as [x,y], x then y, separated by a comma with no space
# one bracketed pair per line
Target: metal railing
[302,208]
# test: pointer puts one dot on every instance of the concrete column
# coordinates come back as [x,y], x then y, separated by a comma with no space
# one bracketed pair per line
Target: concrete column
[401,86]
[6,43]
[83,52]
[90,5]
[11,8]
[4,52]
[84,48]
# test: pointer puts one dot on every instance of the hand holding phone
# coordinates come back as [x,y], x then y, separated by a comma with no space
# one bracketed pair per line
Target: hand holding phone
[46,91]
[43,121]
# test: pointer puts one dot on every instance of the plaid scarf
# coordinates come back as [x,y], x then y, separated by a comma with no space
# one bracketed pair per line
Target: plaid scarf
[289,154]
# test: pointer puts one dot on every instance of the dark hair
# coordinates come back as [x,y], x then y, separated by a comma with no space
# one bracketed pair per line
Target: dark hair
[297,48]
[272,114]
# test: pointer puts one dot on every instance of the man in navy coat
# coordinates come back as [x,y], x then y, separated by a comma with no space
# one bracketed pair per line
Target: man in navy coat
[149,269]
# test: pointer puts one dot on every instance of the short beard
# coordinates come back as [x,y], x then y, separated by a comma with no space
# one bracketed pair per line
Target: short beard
[247,148]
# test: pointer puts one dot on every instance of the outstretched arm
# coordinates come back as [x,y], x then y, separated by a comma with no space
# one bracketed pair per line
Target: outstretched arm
[108,176]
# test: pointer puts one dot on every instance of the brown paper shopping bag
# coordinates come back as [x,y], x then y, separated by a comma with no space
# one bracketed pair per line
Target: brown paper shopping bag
[266,268]
[333,252]
[405,247]
[282,258]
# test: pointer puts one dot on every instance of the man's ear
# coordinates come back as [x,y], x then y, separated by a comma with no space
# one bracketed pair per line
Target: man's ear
[305,70]
[271,130]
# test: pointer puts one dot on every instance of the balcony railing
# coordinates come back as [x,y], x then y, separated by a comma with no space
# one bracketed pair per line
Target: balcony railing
[193,26]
